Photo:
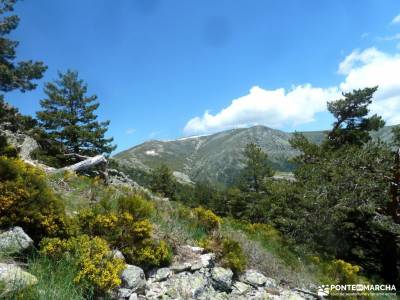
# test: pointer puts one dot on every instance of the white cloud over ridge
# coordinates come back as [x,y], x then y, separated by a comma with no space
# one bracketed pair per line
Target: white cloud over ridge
[396,19]
[278,108]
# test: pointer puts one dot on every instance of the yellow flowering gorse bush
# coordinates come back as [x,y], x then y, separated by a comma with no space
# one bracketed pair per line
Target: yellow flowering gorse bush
[92,257]
[207,218]
[27,201]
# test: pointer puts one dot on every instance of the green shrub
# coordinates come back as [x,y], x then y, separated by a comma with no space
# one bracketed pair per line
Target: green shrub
[138,207]
[228,252]
[5,149]
[149,254]
[233,256]
[27,201]
[207,219]
[342,272]
[91,256]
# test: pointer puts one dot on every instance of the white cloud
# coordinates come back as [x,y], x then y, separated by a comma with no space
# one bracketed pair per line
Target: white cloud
[274,108]
[380,69]
[280,107]
[130,131]
[394,37]
[396,19]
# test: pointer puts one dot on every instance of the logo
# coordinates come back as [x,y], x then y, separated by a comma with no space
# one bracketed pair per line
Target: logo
[323,290]
[356,289]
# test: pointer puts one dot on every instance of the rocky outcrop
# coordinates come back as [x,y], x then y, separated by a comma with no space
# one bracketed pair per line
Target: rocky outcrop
[14,240]
[22,142]
[14,278]
[133,279]
[194,275]
[221,278]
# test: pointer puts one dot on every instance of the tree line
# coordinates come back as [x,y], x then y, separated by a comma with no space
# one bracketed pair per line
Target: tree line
[344,201]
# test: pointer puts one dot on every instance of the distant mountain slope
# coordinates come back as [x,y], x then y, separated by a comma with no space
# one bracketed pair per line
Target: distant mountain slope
[217,157]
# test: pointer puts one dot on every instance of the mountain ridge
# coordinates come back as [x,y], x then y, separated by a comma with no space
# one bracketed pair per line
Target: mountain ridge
[218,157]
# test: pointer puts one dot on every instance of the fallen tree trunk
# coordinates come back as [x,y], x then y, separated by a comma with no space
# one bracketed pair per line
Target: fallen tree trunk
[83,165]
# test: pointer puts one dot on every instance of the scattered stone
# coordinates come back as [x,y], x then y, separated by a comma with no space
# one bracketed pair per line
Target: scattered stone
[222,278]
[241,288]
[14,278]
[133,297]
[292,296]
[133,278]
[196,266]
[15,240]
[270,283]
[254,278]
[210,293]
[207,259]
[124,293]
[181,267]
[162,274]
[197,250]
[187,286]
[195,277]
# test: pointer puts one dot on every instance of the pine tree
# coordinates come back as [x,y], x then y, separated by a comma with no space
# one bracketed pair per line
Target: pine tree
[256,168]
[14,75]
[352,126]
[69,117]
[396,136]
[163,182]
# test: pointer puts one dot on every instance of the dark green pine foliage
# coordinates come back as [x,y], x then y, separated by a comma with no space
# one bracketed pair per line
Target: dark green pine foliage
[396,136]
[163,181]
[256,169]
[14,75]
[69,117]
[352,126]
[344,188]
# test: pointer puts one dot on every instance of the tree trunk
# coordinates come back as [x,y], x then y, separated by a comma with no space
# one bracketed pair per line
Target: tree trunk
[84,165]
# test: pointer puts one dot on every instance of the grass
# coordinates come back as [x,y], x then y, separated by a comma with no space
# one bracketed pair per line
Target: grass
[79,191]
[174,225]
[55,281]
[267,251]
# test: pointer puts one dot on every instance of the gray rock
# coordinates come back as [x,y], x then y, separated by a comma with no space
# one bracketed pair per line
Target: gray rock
[180,267]
[240,288]
[288,295]
[162,274]
[124,293]
[255,278]
[222,278]
[270,283]
[197,250]
[133,297]
[14,278]
[133,278]
[207,259]
[156,289]
[15,240]
[24,143]
[196,266]
[117,254]
[211,294]
[187,286]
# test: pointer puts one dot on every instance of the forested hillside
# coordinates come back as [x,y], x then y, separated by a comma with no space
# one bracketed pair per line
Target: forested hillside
[219,157]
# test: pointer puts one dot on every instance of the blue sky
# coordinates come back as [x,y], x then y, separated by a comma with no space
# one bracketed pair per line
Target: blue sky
[163,69]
